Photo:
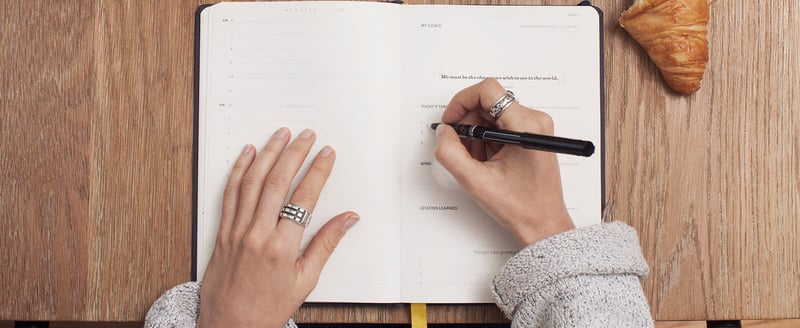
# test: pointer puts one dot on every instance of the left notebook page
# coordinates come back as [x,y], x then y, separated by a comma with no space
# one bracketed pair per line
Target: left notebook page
[304,65]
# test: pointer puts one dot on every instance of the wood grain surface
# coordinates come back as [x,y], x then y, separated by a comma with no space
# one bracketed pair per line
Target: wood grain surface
[47,95]
[711,181]
[96,143]
[96,171]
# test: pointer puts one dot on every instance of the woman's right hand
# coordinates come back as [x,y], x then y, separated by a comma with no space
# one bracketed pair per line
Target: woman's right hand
[519,188]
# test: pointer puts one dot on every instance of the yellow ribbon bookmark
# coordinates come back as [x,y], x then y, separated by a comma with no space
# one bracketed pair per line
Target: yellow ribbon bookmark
[419,316]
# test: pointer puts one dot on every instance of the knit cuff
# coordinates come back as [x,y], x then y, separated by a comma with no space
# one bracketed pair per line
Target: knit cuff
[179,307]
[603,249]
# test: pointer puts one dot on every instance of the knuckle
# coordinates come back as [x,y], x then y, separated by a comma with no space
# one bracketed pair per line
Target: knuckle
[320,168]
[252,243]
[276,248]
[230,192]
[544,122]
[239,166]
[273,147]
[329,245]
[250,183]
[223,243]
[236,236]
[537,122]
[278,181]
[303,195]
[489,82]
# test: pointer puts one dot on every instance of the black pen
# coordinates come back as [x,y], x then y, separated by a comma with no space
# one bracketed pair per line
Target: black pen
[524,140]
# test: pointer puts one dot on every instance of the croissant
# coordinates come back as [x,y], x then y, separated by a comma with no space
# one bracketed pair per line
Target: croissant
[674,34]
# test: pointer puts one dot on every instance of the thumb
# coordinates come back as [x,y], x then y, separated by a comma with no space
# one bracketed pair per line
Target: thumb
[322,245]
[453,156]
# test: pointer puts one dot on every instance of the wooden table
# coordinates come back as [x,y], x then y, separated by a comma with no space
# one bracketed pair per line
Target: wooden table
[96,164]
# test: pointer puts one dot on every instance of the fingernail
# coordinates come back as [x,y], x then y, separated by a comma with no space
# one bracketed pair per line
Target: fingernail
[351,221]
[246,149]
[439,131]
[280,133]
[327,150]
[306,133]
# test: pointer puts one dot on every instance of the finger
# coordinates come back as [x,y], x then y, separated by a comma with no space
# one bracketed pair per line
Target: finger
[525,119]
[455,158]
[230,198]
[253,181]
[480,97]
[475,118]
[278,182]
[321,247]
[492,149]
[307,193]
[477,149]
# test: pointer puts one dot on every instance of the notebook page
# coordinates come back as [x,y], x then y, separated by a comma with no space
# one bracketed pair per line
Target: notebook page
[332,67]
[549,57]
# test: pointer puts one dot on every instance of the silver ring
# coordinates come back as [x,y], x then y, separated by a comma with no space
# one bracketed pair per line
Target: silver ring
[501,104]
[296,214]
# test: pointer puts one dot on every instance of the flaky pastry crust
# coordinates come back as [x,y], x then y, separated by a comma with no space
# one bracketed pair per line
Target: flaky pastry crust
[674,34]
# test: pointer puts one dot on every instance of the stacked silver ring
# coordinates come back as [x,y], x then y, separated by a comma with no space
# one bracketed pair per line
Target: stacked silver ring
[296,214]
[501,104]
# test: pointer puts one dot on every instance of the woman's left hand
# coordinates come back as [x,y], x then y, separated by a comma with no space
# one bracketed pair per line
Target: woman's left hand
[255,276]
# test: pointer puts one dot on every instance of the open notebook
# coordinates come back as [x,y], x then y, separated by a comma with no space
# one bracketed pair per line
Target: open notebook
[370,78]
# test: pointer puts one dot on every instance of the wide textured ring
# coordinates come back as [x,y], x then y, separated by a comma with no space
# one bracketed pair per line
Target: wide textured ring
[501,104]
[296,214]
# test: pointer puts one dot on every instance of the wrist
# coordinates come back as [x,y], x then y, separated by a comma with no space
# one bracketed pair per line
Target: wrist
[549,228]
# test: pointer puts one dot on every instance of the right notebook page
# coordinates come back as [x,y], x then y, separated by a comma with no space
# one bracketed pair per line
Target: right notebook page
[550,58]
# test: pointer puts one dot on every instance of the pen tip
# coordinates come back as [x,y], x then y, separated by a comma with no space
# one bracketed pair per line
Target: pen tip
[434,125]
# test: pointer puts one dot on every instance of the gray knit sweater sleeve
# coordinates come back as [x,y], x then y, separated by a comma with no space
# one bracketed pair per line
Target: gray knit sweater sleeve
[588,277]
[179,307]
